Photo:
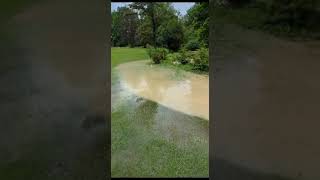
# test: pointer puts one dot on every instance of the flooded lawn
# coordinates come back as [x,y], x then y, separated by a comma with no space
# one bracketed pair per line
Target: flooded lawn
[185,92]
[156,130]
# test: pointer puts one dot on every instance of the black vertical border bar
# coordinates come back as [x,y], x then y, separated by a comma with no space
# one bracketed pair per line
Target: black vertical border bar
[108,85]
[211,90]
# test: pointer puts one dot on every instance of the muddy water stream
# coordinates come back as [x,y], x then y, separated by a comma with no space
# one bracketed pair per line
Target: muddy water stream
[184,92]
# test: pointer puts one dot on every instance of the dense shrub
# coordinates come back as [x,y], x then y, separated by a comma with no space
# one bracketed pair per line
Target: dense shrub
[182,58]
[157,54]
[201,60]
[173,57]
[198,60]
[193,45]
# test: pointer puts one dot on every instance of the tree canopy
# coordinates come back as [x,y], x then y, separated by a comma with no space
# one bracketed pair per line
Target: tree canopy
[160,25]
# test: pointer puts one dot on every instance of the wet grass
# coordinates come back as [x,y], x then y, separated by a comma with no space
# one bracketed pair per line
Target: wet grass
[141,147]
[123,55]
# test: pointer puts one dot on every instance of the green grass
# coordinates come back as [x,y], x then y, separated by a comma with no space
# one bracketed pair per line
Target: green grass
[123,55]
[140,149]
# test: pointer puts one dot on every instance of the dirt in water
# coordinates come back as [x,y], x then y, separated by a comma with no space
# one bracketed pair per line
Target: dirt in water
[182,91]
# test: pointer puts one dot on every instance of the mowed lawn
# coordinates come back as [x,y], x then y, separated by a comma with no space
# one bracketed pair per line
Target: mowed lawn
[124,54]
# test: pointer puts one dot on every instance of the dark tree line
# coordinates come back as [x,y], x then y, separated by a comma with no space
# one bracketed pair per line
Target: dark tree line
[160,25]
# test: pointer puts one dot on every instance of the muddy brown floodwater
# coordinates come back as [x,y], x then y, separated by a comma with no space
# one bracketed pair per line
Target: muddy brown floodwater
[182,91]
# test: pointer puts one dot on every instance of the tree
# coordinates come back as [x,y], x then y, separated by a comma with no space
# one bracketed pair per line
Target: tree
[124,26]
[147,11]
[197,21]
[171,34]
[153,14]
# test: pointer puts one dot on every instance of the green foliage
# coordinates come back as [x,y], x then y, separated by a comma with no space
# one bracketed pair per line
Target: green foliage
[173,57]
[193,45]
[124,27]
[183,57]
[144,33]
[201,60]
[197,21]
[170,34]
[153,15]
[157,54]
[159,24]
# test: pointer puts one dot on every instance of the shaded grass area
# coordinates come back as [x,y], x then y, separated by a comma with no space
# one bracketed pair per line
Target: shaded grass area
[123,55]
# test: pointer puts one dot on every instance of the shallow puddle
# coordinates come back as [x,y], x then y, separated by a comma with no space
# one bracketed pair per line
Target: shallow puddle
[179,90]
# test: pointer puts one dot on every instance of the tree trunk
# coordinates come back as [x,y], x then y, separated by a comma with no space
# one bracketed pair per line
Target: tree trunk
[154,28]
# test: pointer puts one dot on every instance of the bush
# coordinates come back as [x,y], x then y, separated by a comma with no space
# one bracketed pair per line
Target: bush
[173,57]
[193,45]
[157,54]
[201,60]
[182,58]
